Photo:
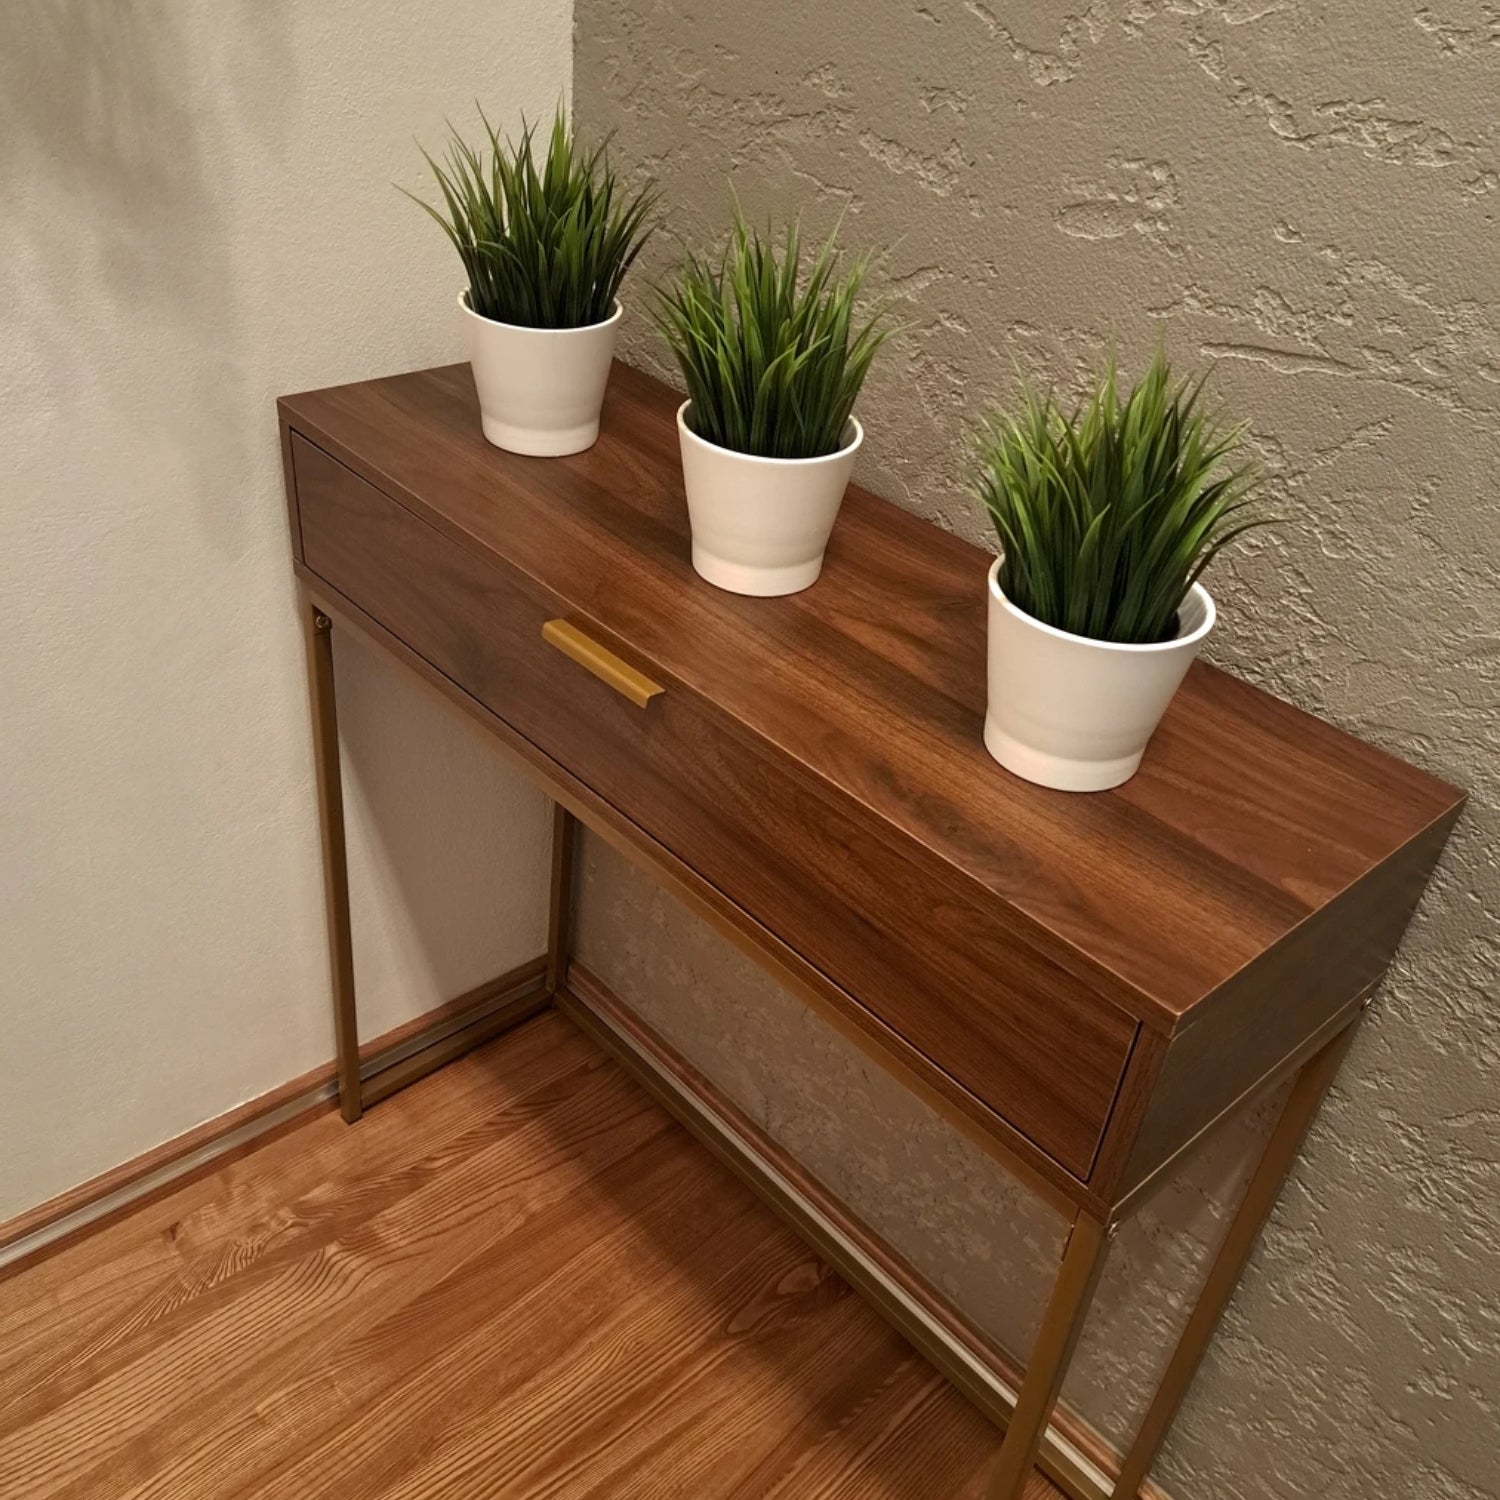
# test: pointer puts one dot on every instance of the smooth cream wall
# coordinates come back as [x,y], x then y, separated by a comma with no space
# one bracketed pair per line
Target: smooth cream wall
[199,214]
[1307,193]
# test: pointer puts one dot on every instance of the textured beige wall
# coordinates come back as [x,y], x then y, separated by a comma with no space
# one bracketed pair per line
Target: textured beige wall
[1307,193]
[198,214]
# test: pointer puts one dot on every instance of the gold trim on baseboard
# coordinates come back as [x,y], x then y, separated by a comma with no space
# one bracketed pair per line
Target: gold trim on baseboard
[1075,1457]
[388,1062]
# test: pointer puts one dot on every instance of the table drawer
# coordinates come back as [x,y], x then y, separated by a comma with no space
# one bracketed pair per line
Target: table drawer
[920,950]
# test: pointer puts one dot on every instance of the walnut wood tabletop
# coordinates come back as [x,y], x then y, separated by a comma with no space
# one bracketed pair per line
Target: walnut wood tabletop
[1086,983]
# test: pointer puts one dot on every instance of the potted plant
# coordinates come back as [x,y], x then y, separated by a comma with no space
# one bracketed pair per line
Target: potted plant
[545,249]
[773,358]
[1106,518]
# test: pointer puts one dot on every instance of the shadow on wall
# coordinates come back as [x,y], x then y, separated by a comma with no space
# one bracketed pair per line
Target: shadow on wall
[124,150]
[449,890]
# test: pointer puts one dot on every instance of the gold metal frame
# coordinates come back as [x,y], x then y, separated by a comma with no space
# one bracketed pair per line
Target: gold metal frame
[1067,1307]
[1303,1102]
[1087,1246]
[325,728]
[493,1010]
[560,901]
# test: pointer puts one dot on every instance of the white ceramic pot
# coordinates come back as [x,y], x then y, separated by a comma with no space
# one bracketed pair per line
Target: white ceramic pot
[1073,713]
[540,389]
[761,525]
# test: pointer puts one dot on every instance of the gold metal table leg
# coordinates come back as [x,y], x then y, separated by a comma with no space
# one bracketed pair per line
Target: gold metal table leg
[325,725]
[1291,1129]
[1062,1323]
[560,912]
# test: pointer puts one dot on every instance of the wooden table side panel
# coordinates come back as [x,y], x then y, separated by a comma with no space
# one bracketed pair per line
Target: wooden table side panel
[1251,1031]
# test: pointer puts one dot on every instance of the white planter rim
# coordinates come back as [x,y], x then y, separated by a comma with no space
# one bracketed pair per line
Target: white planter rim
[614,317]
[1134,648]
[689,435]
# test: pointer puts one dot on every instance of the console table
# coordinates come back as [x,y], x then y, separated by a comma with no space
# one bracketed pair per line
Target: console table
[1084,984]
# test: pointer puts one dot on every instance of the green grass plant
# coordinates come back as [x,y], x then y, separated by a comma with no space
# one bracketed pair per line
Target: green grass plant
[771,344]
[1107,515]
[545,243]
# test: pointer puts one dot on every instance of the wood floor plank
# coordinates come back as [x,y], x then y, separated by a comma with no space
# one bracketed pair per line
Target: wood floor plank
[102,1284]
[518,1278]
[494,1332]
[360,1255]
[591,1390]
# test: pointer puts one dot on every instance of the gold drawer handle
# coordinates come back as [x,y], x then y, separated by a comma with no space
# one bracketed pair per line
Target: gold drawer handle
[605,665]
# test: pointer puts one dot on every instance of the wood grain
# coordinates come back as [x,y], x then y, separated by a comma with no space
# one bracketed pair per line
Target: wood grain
[1042,962]
[1010,1027]
[1262,1022]
[517,1277]
[1246,817]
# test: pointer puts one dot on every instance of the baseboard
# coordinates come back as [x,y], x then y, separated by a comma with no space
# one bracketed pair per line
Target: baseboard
[1073,1456]
[386,1062]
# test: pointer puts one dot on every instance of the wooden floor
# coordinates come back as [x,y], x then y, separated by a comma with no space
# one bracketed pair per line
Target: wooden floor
[517,1278]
